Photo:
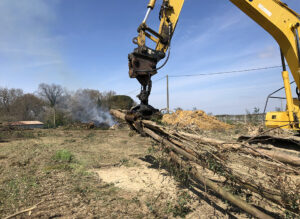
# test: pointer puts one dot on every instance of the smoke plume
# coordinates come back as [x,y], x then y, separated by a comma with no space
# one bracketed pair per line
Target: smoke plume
[83,107]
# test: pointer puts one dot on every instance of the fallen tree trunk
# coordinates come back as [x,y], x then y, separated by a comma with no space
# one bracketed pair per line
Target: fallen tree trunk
[118,114]
[277,156]
[295,161]
[185,144]
[222,192]
[226,195]
[271,195]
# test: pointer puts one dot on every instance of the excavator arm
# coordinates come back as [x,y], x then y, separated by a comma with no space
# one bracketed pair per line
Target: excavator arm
[284,25]
[281,22]
[274,16]
[143,61]
[168,16]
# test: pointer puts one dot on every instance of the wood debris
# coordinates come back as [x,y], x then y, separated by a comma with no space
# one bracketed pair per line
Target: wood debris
[249,169]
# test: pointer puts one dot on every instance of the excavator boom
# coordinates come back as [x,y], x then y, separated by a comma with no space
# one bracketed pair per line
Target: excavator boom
[274,16]
[281,22]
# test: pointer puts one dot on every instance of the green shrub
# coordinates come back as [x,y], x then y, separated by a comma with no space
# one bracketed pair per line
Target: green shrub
[63,156]
[181,208]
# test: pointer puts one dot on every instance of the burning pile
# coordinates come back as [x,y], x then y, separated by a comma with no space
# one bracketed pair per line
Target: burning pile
[198,118]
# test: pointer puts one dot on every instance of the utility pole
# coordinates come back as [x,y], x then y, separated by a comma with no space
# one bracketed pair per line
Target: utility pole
[168,103]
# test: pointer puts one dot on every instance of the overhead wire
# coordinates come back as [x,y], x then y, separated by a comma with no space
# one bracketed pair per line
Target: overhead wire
[225,72]
[211,74]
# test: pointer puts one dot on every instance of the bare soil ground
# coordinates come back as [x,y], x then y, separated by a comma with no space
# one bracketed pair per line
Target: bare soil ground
[97,174]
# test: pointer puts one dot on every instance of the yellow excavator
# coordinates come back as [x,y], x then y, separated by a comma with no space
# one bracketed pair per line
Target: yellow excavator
[274,16]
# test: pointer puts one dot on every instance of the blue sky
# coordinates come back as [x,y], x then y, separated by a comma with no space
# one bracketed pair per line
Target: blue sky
[84,44]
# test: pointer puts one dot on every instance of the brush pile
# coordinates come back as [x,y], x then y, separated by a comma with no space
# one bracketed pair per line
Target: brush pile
[247,175]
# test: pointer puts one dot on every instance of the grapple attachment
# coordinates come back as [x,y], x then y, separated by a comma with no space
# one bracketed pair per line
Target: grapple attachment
[142,66]
[143,61]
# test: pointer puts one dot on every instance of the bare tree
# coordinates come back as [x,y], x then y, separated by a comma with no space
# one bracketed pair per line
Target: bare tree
[94,95]
[28,107]
[52,93]
[104,99]
[8,97]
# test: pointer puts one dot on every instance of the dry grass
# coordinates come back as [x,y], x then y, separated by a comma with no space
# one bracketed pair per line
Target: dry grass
[60,168]
[54,165]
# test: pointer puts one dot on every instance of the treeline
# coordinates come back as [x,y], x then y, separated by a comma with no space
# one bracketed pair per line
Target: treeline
[54,105]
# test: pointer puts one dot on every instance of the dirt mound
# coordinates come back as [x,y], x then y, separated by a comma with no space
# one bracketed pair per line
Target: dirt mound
[198,118]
